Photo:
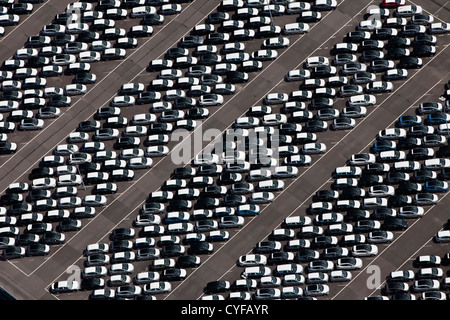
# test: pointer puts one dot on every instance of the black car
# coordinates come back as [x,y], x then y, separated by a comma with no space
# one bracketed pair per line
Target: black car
[191,41]
[7,147]
[356,36]
[398,42]
[92,284]
[201,248]
[237,77]
[20,8]
[397,53]
[147,97]
[423,175]
[266,247]
[37,249]
[394,223]
[395,288]
[69,225]
[217,286]
[12,253]
[306,255]
[321,72]
[410,63]
[152,19]
[424,50]
[325,195]
[371,55]
[318,103]
[53,238]
[122,234]
[88,36]
[59,101]
[216,17]
[354,215]
[37,194]
[352,193]
[173,274]
[8,199]
[382,213]
[333,253]
[172,250]
[424,39]
[382,34]
[188,261]
[85,78]
[278,258]
[36,42]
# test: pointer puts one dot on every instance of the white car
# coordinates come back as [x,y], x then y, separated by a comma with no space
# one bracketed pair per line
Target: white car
[252,260]
[411,212]
[123,101]
[274,119]
[276,98]
[144,118]
[408,10]
[157,287]
[298,74]
[140,163]
[439,27]
[436,164]
[314,148]
[362,100]
[65,286]
[210,100]
[364,250]
[316,61]
[89,56]
[69,180]
[297,7]
[369,25]
[362,159]
[94,200]
[26,53]
[75,89]
[392,133]
[296,28]
[442,236]
[246,122]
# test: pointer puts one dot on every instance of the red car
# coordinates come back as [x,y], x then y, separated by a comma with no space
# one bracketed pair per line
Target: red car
[393,3]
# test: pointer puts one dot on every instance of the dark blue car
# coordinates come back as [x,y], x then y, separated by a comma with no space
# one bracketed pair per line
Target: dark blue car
[409,121]
[437,118]
[383,145]
[436,186]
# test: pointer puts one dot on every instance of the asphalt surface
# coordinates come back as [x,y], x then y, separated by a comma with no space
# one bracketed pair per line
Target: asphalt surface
[123,207]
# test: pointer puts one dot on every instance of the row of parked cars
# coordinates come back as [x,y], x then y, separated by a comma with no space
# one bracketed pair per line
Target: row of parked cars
[62,48]
[176,228]
[361,200]
[429,282]
[11,12]
[151,205]
[64,206]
